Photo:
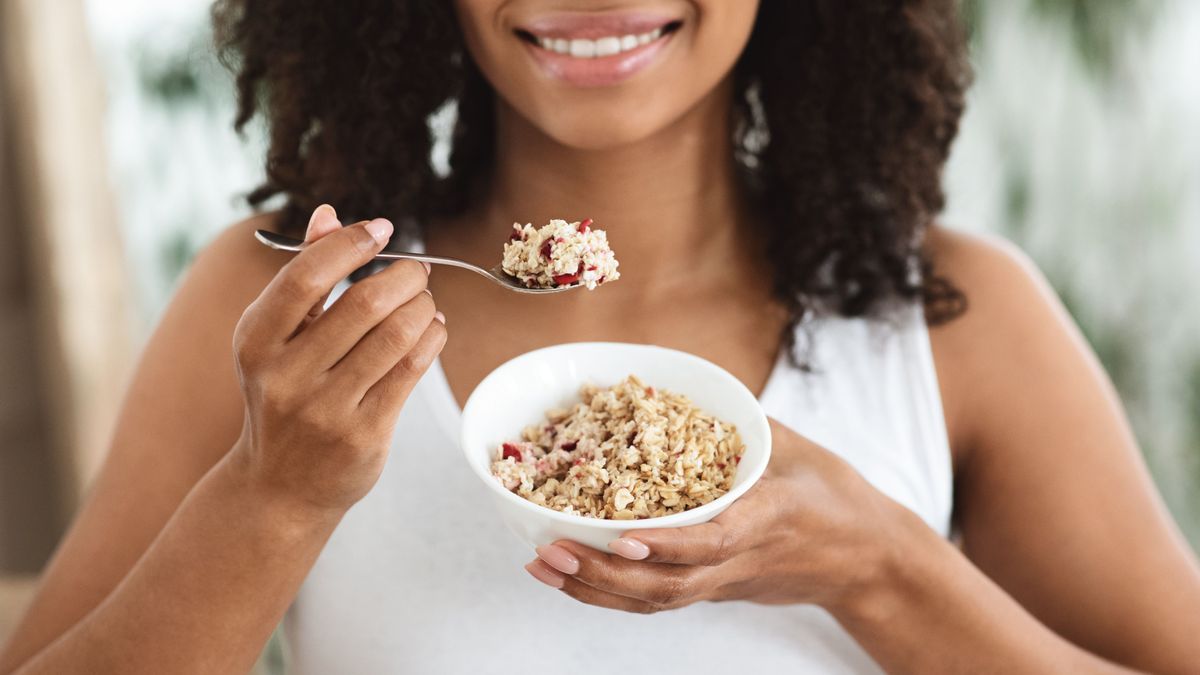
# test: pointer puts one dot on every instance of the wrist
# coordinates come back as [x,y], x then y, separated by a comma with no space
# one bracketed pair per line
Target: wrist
[893,574]
[291,510]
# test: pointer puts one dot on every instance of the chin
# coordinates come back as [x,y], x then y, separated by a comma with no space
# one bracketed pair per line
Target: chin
[607,127]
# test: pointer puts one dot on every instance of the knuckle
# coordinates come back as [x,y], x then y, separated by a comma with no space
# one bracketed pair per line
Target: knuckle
[356,242]
[673,589]
[724,548]
[245,349]
[296,281]
[369,299]
[361,440]
[412,364]
[275,404]
[400,333]
[310,417]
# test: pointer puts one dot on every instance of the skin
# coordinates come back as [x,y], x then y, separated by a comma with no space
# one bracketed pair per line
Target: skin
[255,420]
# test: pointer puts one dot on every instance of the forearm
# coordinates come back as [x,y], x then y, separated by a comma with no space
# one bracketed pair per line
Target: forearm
[209,591]
[933,611]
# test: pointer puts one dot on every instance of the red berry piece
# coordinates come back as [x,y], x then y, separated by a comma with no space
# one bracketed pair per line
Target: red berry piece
[517,234]
[737,460]
[720,465]
[583,227]
[545,250]
[569,445]
[510,450]
[564,279]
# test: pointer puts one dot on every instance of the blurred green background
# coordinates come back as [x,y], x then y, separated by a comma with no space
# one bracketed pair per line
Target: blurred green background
[1080,145]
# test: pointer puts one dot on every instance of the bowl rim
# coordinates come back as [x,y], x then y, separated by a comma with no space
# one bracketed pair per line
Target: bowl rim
[673,520]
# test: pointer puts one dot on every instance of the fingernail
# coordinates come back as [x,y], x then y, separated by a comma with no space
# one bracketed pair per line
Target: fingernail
[559,558]
[440,317]
[629,548]
[545,574]
[428,267]
[322,211]
[379,228]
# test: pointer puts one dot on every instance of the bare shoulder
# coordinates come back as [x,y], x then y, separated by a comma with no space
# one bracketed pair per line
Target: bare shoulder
[235,261]
[1014,333]
[994,274]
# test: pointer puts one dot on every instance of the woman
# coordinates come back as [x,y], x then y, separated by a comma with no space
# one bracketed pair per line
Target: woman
[247,474]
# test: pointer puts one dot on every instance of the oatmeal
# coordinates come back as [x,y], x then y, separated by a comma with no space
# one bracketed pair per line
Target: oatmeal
[560,254]
[624,452]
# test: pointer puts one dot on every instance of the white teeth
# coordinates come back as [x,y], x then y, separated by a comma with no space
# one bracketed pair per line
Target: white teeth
[583,49]
[608,46]
[605,46]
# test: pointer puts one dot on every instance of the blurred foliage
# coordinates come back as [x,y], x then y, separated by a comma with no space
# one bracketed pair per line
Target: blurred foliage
[173,82]
[178,250]
[181,76]
[1097,28]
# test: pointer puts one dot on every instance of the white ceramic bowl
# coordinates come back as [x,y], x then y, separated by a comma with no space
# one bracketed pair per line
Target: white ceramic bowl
[519,393]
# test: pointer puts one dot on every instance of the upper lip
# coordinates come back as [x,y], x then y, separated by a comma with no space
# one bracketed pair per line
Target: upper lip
[589,26]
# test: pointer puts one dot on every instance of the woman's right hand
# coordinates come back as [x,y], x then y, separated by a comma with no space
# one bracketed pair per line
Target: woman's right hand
[323,388]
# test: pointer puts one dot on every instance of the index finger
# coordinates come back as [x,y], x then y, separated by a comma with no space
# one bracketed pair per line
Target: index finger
[313,273]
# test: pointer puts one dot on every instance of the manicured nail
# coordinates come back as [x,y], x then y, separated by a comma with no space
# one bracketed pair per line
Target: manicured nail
[428,267]
[322,211]
[440,317]
[559,558]
[629,548]
[545,575]
[379,228]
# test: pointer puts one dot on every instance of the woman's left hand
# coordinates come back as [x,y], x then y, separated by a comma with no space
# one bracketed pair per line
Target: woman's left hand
[811,531]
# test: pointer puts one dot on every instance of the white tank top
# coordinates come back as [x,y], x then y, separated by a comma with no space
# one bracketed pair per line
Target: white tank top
[422,576]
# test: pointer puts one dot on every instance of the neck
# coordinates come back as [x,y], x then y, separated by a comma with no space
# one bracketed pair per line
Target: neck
[678,186]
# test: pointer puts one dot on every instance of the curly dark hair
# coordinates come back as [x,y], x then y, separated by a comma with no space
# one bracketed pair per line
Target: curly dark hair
[846,112]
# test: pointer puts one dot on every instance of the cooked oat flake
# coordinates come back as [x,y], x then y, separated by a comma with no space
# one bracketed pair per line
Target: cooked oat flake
[560,254]
[623,452]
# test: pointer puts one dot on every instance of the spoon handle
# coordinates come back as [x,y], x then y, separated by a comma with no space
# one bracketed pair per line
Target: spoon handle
[284,243]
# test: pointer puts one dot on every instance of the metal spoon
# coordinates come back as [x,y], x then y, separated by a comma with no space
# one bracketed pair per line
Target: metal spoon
[496,274]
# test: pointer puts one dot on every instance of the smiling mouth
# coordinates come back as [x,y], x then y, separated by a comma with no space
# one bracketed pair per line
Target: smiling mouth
[585,48]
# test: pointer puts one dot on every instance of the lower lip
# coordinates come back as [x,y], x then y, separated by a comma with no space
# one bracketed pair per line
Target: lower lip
[603,71]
